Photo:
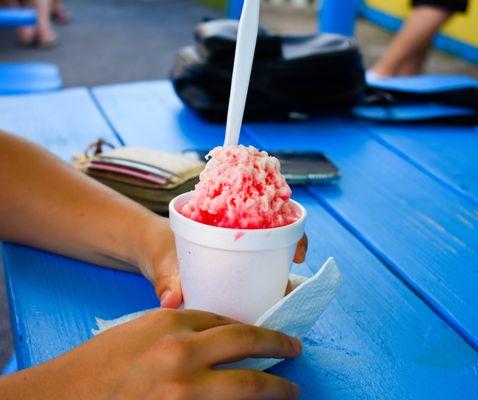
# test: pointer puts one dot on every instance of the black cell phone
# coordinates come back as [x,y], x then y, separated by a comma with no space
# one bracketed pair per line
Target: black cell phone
[298,168]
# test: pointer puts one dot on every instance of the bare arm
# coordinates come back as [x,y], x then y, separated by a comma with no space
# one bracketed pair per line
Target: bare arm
[46,203]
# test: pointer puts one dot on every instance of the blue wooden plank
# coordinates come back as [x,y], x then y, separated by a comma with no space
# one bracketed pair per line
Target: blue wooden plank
[420,229]
[160,120]
[444,291]
[54,300]
[64,122]
[447,153]
[377,340]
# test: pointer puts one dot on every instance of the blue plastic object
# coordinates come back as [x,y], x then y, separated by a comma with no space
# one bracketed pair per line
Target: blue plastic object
[338,16]
[234,8]
[12,17]
[19,78]
[422,84]
[411,112]
[11,367]
[335,16]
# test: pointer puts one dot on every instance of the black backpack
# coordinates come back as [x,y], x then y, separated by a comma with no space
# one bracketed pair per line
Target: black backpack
[291,77]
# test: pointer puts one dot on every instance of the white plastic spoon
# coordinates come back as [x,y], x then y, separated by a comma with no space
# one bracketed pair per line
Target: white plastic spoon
[241,73]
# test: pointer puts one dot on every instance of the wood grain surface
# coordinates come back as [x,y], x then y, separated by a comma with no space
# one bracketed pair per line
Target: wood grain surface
[64,122]
[378,339]
[449,154]
[423,231]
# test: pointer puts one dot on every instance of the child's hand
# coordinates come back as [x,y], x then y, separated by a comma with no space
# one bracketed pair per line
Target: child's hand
[158,262]
[171,354]
[299,257]
[166,354]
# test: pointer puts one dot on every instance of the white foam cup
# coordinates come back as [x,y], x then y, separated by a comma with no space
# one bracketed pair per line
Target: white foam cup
[238,273]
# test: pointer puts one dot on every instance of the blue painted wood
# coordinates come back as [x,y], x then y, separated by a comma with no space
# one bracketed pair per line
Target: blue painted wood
[377,340]
[64,122]
[448,154]
[160,121]
[420,229]
[13,17]
[31,77]
[55,300]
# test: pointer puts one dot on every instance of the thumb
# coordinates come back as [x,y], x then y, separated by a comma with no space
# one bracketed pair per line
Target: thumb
[168,285]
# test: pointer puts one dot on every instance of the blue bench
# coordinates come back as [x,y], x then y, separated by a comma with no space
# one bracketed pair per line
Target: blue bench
[15,17]
[20,78]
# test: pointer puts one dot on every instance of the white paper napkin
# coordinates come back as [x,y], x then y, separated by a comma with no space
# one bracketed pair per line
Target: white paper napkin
[294,315]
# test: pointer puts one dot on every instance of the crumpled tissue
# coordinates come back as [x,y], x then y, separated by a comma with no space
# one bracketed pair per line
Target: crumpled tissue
[294,315]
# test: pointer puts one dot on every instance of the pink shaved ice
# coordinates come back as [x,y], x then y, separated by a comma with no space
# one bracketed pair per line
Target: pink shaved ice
[242,188]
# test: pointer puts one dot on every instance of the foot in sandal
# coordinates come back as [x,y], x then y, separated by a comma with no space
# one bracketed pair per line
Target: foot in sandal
[59,15]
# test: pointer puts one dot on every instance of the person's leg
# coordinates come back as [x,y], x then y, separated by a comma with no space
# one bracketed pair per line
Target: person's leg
[45,33]
[26,34]
[59,14]
[415,64]
[407,52]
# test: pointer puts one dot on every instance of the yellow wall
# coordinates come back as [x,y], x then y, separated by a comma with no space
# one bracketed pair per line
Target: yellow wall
[462,27]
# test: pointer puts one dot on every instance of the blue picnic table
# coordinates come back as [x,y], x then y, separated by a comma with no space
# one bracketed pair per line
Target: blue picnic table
[402,224]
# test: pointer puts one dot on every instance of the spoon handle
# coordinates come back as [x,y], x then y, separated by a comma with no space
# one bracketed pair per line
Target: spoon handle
[241,73]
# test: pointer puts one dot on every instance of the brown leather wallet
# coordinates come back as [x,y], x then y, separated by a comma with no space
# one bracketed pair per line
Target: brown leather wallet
[150,177]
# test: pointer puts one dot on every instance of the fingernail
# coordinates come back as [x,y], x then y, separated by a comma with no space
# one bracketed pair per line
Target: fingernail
[294,391]
[164,296]
[296,345]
